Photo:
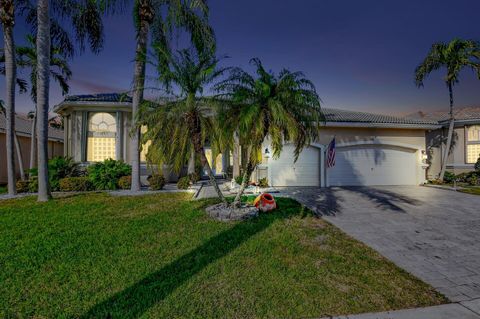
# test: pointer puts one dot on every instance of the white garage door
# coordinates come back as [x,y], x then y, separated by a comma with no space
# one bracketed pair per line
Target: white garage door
[374,165]
[305,172]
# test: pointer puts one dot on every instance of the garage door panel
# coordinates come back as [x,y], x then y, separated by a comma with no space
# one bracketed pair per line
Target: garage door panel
[373,166]
[305,172]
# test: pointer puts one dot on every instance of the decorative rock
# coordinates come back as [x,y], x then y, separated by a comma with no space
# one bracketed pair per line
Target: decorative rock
[225,213]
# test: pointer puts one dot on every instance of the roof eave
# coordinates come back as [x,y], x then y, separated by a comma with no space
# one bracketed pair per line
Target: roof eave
[60,108]
[381,125]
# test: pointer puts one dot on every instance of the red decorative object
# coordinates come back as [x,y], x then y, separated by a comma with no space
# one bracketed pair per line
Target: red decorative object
[265,202]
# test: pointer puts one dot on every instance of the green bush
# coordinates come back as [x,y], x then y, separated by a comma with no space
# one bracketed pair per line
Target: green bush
[75,184]
[194,177]
[183,183]
[33,185]
[105,175]
[156,182]
[449,177]
[58,167]
[477,165]
[239,179]
[22,186]
[263,182]
[125,182]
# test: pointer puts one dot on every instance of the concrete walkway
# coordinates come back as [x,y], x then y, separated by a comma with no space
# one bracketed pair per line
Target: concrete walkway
[433,234]
[450,311]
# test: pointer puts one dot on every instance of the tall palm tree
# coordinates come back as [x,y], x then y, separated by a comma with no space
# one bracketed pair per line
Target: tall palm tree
[59,71]
[17,145]
[454,56]
[7,19]
[191,16]
[283,107]
[85,18]
[176,127]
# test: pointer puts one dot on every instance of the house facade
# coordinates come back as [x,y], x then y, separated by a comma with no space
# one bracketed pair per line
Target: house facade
[465,149]
[371,149]
[23,129]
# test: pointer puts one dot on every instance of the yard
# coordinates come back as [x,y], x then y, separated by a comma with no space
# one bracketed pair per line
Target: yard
[159,256]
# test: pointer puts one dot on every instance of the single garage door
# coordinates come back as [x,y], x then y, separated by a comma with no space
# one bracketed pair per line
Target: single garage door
[305,172]
[374,165]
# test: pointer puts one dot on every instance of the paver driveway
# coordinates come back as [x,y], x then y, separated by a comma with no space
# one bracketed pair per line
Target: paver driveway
[434,234]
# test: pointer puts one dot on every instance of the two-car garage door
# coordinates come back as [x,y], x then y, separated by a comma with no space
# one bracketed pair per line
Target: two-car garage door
[362,165]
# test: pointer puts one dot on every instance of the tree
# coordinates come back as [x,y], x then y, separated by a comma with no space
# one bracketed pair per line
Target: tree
[85,18]
[454,56]
[284,108]
[178,126]
[7,19]
[17,144]
[187,15]
[59,71]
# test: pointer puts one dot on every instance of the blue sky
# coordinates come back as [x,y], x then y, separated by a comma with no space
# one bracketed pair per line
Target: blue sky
[360,54]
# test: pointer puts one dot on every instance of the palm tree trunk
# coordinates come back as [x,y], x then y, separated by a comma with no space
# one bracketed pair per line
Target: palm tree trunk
[19,157]
[43,82]
[246,178]
[191,163]
[10,78]
[450,134]
[33,141]
[138,87]
[203,159]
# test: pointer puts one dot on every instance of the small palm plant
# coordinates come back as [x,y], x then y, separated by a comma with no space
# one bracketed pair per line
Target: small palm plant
[454,56]
[180,125]
[283,108]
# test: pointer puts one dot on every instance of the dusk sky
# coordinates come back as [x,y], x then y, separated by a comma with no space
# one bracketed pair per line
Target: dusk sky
[360,54]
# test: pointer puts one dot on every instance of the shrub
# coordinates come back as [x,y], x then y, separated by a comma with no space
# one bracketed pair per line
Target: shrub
[75,184]
[58,167]
[22,186]
[239,179]
[449,177]
[125,182]
[33,185]
[263,182]
[156,182]
[477,165]
[183,183]
[105,175]
[194,177]
[473,180]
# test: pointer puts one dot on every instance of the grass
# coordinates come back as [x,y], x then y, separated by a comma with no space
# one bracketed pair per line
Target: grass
[474,190]
[159,256]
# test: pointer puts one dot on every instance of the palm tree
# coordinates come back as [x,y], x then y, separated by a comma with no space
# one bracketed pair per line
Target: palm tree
[85,18]
[283,108]
[188,15]
[178,126]
[455,56]
[59,71]
[17,145]
[7,19]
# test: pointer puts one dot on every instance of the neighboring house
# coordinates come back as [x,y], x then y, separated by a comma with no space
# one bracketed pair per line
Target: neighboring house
[371,149]
[465,149]
[23,129]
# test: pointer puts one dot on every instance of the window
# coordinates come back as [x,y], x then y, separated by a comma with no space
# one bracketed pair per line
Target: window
[473,144]
[102,133]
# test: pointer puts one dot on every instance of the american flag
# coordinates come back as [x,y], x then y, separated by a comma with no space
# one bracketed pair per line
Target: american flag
[331,154]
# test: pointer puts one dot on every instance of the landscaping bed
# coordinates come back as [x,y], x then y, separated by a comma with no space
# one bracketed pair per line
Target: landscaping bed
[161,256]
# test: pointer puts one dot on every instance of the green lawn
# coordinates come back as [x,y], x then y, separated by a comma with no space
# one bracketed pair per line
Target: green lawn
[471,190]
[159,256]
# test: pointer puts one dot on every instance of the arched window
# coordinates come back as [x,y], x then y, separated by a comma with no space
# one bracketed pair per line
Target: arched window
[102,133]
[473,143]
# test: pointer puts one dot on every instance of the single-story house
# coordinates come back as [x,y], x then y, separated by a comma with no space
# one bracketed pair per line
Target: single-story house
[371,149]
[23,128]
[465,149]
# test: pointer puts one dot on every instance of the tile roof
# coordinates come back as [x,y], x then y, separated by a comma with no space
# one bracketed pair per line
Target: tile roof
[344,116]
[103,97]
[24,126]
[464,113]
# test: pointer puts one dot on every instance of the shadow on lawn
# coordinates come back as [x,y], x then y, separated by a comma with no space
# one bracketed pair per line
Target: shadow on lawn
[138,298]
